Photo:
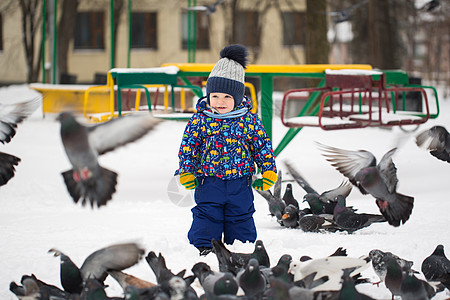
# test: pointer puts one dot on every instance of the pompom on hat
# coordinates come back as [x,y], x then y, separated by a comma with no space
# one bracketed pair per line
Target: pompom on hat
[228,75]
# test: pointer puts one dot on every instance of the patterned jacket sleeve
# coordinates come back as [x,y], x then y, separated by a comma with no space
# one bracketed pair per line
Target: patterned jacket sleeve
[261,147]
[189,153]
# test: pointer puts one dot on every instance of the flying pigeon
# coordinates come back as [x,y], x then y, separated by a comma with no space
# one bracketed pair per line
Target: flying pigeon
[350,221]
[345,14]
[378,264]
[95,266]
[436,267]
[437,141]
[234,261]
[299,178]
[126,280]
[331,266]
[208,9]
[379,180]
[87,180]
[10,116]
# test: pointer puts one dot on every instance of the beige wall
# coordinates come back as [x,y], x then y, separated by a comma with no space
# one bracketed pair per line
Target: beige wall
[85,63]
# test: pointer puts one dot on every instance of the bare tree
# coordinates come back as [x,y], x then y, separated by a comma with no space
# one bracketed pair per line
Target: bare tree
[66,30]
[317,46]
[31,23]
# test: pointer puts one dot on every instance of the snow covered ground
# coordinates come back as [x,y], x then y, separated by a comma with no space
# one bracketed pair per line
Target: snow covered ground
[37,213]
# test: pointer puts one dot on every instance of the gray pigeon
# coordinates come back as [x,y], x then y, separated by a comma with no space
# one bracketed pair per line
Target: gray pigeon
[325,202]
[379,180]
[290,216]
[437,140]
[209,281]
[394,275]
[288,196]
[350,221]
[413,288]
[87,180]
[436,267]
[10,116]
[96,265]
[207,9]
[251,280]
[378,264]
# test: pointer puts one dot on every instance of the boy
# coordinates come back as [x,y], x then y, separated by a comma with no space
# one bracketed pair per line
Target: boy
[220,146]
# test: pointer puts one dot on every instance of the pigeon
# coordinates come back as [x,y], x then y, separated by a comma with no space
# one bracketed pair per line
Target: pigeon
[376,256]
[159,268]
[290,216]
[325,202]
[251,280]
[288,196]
[208,9]
[317,223]
[95,266]
[33,288]
[348,289]
[87,180]
[276,204]
[233,261]
[394,275]
[430,6]
[280,270]
[125,280]
[436,267]
[437,141]
[94,289]
[379,180]
[208,279]
[413,288]
[331,266]
[350,221]
[226,285]
[345,14]
[10,116]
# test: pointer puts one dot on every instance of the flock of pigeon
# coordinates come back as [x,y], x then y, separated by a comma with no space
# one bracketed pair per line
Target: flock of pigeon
[240,276]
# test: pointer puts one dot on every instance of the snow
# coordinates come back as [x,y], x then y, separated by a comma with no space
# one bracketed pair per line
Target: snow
[38,214]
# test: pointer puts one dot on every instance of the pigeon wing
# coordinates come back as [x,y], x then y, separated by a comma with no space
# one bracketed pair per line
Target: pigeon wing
[117,132]
[388,171]
[277,185]
[13,114]
[348,162]
[115,257]
[343,189]
[299,179]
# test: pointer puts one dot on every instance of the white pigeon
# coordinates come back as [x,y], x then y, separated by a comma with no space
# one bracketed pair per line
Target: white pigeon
[331,266]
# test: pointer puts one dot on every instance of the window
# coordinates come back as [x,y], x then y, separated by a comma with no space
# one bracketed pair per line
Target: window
[1,33]
[202,31]
[90,30]
[246,26]
[144,30]
[294,28]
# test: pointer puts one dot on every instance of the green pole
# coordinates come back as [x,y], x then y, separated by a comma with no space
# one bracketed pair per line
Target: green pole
[129,32]
[44,14]
[112,33]
[266,102]
[194,34]
[189,33]
[55,38]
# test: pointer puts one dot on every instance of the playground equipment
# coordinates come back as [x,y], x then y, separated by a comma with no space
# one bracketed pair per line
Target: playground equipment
[343,96]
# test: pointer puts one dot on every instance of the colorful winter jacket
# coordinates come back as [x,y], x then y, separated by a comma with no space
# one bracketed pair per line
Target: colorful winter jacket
[225,148]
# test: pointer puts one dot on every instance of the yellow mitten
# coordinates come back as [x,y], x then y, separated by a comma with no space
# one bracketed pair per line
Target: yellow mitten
[188,180]
[267,180]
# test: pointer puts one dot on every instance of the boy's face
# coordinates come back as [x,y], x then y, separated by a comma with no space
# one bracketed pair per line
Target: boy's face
[221,102]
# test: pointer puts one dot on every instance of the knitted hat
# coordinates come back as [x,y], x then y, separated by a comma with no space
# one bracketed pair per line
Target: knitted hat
[228,74]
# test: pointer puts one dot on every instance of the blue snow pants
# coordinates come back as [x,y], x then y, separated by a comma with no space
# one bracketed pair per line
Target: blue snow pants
[223,207]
